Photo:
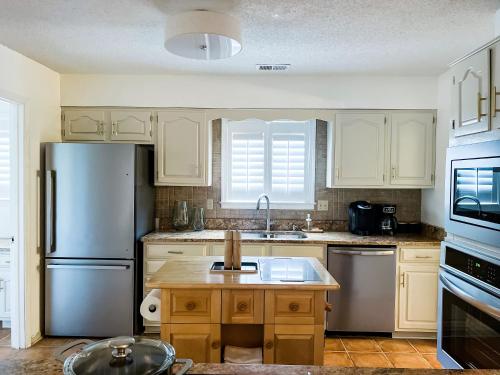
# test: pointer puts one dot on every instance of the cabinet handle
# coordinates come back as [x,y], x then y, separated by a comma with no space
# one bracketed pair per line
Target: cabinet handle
[190,306]
[215,344]
[175,252]
[423,256]
[328,306]
[494,109]
[101,127]
[393,172]
[403,279]
[269,344]
[242,306]
[293,306]
[479,112]
[113,128]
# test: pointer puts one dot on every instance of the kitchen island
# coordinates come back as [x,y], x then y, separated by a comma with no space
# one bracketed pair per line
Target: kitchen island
[203,311]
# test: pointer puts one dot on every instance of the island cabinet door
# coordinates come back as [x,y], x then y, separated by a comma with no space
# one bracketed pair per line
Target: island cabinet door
[293,344]
[199,342]
[242,306]
[191,306]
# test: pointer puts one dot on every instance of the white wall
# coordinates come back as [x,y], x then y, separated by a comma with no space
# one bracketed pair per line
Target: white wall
[265,91]
[433,199]
[24,80]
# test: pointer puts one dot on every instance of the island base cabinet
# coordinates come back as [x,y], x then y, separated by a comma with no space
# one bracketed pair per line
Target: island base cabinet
[199,342]
[293,344]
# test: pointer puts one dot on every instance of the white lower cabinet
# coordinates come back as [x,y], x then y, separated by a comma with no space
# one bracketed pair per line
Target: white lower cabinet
[4,293]
[417,290]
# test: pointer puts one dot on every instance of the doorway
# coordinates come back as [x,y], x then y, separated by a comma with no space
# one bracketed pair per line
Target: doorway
[10,116]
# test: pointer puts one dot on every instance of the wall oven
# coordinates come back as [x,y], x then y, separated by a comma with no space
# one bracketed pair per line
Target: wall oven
[469,309]
[473,192]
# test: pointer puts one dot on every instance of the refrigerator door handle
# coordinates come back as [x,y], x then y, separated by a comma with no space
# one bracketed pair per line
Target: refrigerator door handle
[87,267]
[49,212]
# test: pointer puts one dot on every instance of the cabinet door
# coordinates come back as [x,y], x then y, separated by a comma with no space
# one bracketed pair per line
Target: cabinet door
[412,149]
[293,344]
[199,342]
[418,297]
[359,149]
[83,125]
[131,126]
[4,293]
[183,149]
[470,95]
[495,83]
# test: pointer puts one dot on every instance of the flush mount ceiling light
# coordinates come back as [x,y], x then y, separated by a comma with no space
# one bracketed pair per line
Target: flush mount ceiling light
[203,35]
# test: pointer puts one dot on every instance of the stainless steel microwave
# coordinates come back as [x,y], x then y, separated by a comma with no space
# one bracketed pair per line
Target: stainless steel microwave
[473,192]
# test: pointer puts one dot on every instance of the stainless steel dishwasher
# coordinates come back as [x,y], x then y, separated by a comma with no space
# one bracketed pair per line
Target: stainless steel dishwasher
[365,301]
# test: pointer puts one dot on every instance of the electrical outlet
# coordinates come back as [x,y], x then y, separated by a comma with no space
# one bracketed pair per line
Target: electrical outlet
[210,204]
[322,205]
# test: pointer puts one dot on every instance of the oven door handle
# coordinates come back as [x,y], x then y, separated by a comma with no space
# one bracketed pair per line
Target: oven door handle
[490,310]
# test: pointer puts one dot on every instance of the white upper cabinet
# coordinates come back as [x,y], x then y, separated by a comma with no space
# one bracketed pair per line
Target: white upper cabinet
[470,95]
[412,148]
[495,89]
[131,126]
[183,148]
[359,149]
[83,125]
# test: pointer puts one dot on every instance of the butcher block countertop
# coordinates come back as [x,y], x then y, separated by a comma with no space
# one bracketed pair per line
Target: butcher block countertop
[333,238]
[194,272]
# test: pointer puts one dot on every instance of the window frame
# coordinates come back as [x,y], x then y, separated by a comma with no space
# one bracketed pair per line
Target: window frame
[309,168]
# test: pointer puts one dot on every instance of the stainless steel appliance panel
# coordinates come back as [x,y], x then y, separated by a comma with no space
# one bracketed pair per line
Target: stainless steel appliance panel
[365,301]
[89,190]
[92,298]
[473,192]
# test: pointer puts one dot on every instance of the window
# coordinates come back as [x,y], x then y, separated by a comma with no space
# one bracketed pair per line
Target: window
[274,157]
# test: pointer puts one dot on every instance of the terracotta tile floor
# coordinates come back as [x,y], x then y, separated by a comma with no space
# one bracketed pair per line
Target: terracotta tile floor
[339,351]
[380,352]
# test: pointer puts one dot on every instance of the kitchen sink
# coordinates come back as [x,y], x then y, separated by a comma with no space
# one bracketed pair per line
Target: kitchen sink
[286,235]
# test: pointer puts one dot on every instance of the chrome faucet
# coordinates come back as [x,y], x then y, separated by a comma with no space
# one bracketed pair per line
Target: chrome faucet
[268,214]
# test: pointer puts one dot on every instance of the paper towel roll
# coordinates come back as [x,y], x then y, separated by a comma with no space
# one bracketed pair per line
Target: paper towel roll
[151,306]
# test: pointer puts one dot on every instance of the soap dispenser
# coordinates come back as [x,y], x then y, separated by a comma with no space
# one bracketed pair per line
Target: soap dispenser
[308,222]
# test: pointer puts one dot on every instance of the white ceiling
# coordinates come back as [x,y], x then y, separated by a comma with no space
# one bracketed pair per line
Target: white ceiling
[417,37]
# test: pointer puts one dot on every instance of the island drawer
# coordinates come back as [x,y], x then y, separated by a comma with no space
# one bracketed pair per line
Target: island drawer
[419,254]
[242,306]
[294,307]
[191,306]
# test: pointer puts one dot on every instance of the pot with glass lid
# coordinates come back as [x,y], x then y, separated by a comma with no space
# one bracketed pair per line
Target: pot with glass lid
[123,355]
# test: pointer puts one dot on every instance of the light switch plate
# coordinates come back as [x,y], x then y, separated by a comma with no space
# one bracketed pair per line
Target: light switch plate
[322,205]
[210,204]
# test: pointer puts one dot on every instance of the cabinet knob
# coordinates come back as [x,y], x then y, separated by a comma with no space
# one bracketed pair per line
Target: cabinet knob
[215,344]
[269,344]
[242,306]
[293,306]
[190,306]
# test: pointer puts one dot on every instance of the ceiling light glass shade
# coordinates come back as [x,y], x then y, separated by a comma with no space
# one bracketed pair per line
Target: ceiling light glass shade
[203,35]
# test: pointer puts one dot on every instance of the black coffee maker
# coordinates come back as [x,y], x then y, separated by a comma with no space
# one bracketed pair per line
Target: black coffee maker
[388,222]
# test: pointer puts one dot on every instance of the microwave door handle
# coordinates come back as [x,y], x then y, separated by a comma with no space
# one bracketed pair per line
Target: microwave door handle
[470,197]
[490,310]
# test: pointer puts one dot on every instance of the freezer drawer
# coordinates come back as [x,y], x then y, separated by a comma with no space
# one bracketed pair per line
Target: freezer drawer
[93,298]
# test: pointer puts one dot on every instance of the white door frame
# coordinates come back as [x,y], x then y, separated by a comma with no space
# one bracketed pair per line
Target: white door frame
[18,255]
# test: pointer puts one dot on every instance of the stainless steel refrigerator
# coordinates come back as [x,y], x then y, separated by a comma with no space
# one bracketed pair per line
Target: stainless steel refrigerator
[99,201]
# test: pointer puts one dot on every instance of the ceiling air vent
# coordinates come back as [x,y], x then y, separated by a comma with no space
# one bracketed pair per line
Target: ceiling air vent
[272,67]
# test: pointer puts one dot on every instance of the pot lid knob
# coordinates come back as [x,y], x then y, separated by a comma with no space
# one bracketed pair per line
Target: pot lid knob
[121,346]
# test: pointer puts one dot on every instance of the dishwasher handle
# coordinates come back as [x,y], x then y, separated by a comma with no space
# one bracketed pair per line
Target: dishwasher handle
[362,252]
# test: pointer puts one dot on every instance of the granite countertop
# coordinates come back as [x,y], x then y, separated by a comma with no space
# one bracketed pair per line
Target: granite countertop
[13,366]
[334,238]
[194,272]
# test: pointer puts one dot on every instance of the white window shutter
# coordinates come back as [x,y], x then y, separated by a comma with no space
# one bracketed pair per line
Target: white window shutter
[5,172]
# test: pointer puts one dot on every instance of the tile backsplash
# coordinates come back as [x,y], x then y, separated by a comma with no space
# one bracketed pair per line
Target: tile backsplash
[335,218]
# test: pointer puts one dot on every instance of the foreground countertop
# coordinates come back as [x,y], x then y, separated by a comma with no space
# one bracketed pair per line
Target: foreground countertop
[194,272]
[334,238]
[50,366]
